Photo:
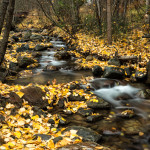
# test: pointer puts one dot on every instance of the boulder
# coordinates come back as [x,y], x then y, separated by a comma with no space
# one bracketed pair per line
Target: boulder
[140,76]
[24,61]
[114,73]
[26,36]
[25,74]
[128,72]
[13,66]
[114,61]
[39,47]
[33,95]
[87,134]
[84,146]
[15,38]
[43,136]
[62,55]
[36,54]
[97,71]
[15,99]
[89,58]
[36,37]
[85,111]
[98,103]
[23,48]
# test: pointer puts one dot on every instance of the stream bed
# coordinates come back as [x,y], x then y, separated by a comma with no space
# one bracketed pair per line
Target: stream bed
[136,135]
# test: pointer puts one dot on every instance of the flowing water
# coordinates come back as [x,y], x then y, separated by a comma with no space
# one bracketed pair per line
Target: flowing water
[129,98]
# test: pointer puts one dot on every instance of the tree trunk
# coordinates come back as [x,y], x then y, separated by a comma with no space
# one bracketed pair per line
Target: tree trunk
[4,41]
[148,12]
[109,25]
[3,13]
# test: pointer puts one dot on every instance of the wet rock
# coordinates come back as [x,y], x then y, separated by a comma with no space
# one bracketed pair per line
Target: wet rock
[94,118]
[61,103]
[39,47]
[23,62]
[23,48]
[13,67]
[32,66]
[57,139]
[98,103]
[51,121]
[62,55]
[2,141]
[38,111]
[2,119]
[45,32]
[114,61]
[51,68]
[36,37]
[85,111]
[114,73]
[97,71]
[128,72]
[131,127]
[84,146]
[145,94]
[76,98]
[3,75]
[99,83]
[111,133]
[15,38]
[43,136]
[34,96]
[26,36]
[15,99]
[25,74]
[87,134]
[36,54]
[140,76]
[89,58]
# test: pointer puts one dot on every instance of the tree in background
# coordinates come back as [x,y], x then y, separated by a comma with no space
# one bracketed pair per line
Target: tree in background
[109,26]
[7,27]
[3,13]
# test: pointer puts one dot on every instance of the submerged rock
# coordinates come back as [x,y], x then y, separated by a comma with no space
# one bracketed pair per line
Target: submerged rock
[84,146]
[87,134]
[114,73]
[85,111]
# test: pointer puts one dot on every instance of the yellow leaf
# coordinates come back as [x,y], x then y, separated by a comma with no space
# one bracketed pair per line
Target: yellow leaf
[51,144]
[17,134]
[20,94]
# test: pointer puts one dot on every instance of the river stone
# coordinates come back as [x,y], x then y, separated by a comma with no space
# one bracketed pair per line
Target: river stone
[114,61]
[36,37]
[24,61]
[43,136]
[2,119]
[36,54]
[83,146]
[87,134]
[39,47]
[57,139]
[131,127]
[140,76]
[51,68]
[114,73]
[98,103]
[62,55]
[89,58]
[94,118]
[97,71]
[128,72]
[85,111]
[76,98]
[33,95]
[15,38]
[26,36]
[15,99]
[23,48]
[13,66]
[25,74]
[38,111]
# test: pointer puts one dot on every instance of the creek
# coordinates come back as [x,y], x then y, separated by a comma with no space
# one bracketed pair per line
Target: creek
[136,126]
